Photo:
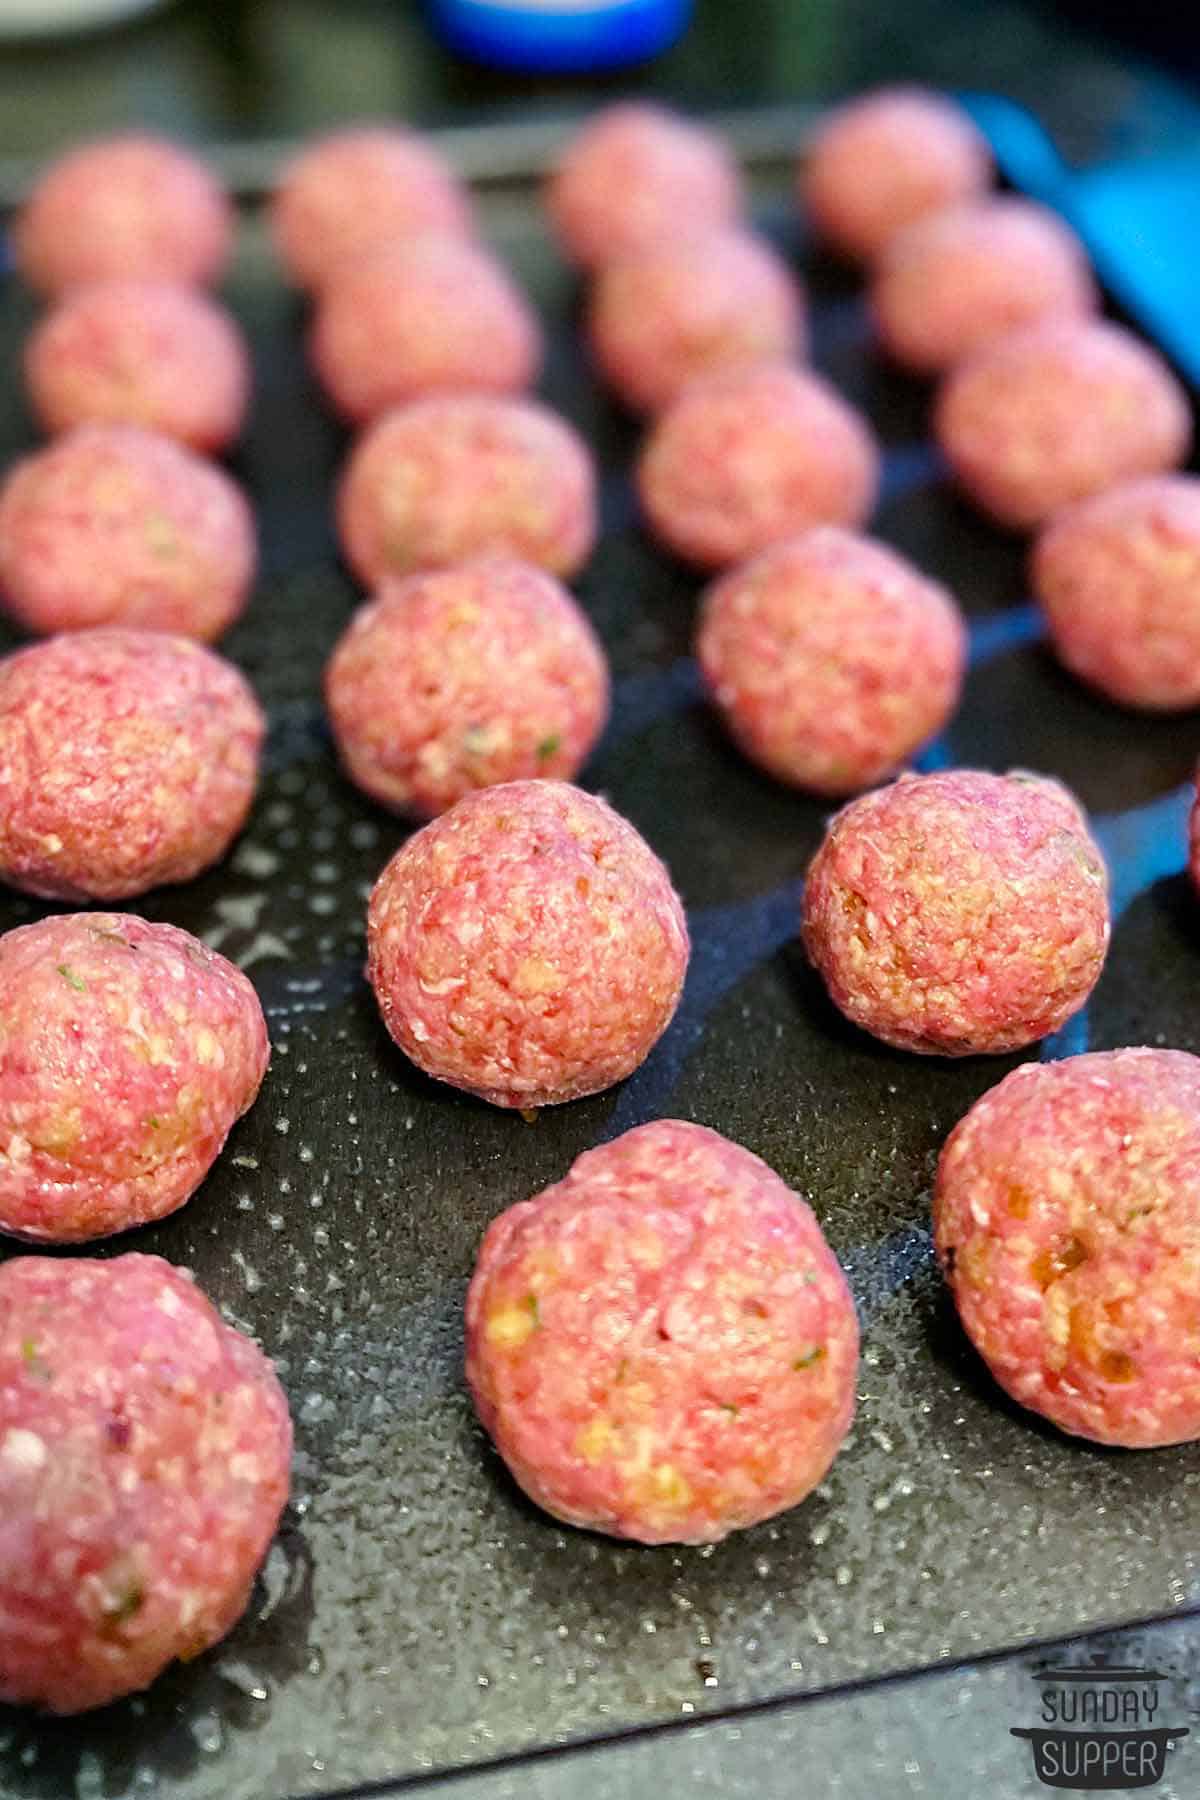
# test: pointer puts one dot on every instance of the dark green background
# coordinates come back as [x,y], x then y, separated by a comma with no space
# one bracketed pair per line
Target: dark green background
[250,68]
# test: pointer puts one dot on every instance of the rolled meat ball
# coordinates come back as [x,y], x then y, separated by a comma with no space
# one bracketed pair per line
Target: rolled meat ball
[460,475]
[662,1344]
[634,174]
[128,759]
[1118,578]
[461,678]
[747,458]
[358,190]
[831,659]
[958,914]
[1055,412]
[131,1050]
[145,1451]
[436,315]
[963,277]
[111,525]
[1066,1220]
[527,946]
[132,207]
[885,159]
[148,353]
[689,306]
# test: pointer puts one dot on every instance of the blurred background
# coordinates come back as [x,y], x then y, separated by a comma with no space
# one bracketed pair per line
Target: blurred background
[1108,77]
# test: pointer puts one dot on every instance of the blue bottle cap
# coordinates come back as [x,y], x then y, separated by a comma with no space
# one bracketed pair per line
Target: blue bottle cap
[559,36]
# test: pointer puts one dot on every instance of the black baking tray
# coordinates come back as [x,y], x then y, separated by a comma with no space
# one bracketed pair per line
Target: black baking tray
[417,1615]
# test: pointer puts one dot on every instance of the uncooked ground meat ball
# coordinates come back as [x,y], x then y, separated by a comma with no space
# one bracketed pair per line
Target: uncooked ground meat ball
[460,475]
[145,1451]
[127,759]
[882,161]
[635,174]
[1067,1218]
[134,206]
[1118,577]
[746,458]
[956,280]
[433,316]
[130,1050]
[527,945]
[689,306]
[1057,411]
[662,1344]
[149,353]
[960,913]
[464,677]
[831,659]
[116,526]
[358,190]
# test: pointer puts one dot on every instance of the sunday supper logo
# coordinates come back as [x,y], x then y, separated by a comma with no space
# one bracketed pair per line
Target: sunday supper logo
[1099,1728]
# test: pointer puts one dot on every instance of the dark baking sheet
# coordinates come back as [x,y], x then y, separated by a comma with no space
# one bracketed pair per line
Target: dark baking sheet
[417,1614]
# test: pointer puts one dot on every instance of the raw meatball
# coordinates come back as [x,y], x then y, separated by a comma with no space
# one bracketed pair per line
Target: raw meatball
[358,190]
[130,1050]
[1118,577]
[461,678]
[689,306]
[662,1344]
[1057,411]
[150,353]
[746,458]
[956,280]
[634,174]
[527,946]
[116,526]
[882,161]
[135,206]
[832,659]
[145,1451]
[1067,1216]
[458,475]
[127,759]
[959,914]
[431,316]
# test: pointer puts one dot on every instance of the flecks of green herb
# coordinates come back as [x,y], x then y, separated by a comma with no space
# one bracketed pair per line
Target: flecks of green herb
[533,1309]
[549,745]
[153,1121]
[32,1359]
[810,1357]
[72,979]
[124,1604]
[727,1406]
